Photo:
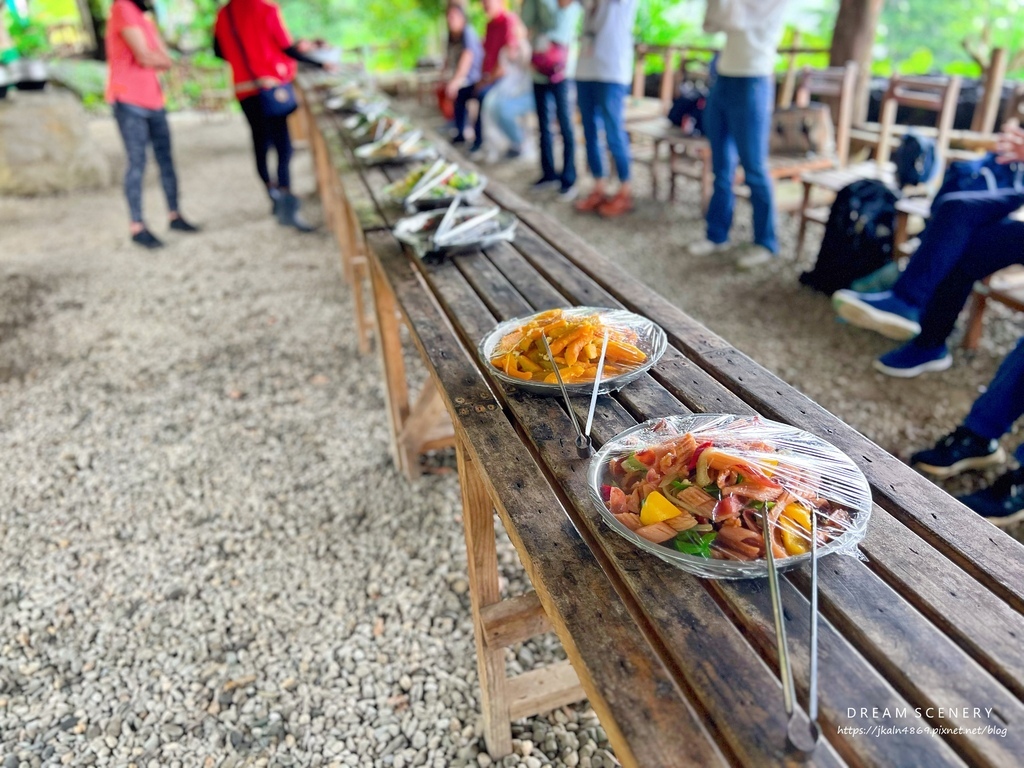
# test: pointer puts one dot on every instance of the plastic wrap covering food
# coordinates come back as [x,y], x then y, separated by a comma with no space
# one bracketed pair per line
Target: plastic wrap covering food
[421,231]
[440,191]
[515,352]
[692,490]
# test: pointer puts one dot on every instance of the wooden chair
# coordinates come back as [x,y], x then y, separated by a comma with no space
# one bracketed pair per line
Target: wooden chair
[1015,105]
[938,95]
[639,106]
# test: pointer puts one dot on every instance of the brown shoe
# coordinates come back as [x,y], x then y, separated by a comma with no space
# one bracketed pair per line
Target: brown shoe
[591,202]
[616,206]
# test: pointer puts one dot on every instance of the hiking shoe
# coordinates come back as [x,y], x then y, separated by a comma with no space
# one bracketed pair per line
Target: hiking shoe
[180,225]
[567,193]
[1002,503]
[288,213]
[754,256]
[912,360]
[147,239]
[591,202]
[958,452]
[621,203]
[705,247]
[513,153]
[544,184]
[882,313]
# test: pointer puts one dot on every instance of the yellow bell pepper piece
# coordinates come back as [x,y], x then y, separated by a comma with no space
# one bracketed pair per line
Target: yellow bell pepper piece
[657,509]
[795,525]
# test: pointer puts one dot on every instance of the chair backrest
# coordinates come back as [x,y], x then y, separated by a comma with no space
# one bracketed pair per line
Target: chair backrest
[987,108]
[837,85]
[641,52]
[933,94]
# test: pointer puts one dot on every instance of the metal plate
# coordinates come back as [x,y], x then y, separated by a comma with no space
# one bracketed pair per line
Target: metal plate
[416,231]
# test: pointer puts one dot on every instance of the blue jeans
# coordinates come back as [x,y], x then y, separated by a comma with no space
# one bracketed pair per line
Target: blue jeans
[543,93]
[993,414]
[971,238]
[506,110]
[479,94]
[139,128]
[603,105]
[956,220]
[737,121]
[462,110]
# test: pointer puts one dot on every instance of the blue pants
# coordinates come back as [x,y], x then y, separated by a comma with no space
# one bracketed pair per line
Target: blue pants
[269,131]
[969,239]
[994,412]
[737,121]
[479,95]
[956,219]
[462,99]
[543,94]
[506,110]
[139,128]
[603,106]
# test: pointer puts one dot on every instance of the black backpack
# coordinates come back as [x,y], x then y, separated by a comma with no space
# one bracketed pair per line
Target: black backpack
[687,110]
[858,236]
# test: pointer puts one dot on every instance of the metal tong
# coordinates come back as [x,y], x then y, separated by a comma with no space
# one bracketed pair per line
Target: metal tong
[803,740]
[449,235]
[435,175]
[584,445]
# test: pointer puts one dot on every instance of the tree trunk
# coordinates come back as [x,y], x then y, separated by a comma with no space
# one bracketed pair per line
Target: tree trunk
[96,21]
[852,40]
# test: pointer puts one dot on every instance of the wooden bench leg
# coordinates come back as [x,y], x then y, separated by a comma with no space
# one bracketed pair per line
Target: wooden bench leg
[899,236]
[482,562]
[655,162]
[801,234]
[389,342]
[979,299]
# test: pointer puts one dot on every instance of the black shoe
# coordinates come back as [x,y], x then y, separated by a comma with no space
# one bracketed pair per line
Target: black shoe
[147,239]
[456,140]
[1002,503]
[180,225]
[957,452]
[275,201]
[288,213]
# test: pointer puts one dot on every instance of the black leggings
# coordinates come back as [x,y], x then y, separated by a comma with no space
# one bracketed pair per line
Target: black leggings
[267,131]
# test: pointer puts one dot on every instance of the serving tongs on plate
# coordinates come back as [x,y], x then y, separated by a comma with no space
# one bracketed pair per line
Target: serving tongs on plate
[803,739]
[435,175]
[584,445]
[448,235]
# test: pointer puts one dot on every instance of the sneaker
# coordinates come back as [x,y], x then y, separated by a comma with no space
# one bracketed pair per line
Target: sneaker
[705,247]
[754,256]
[912,360]
[882,313]
[958,452]
[591,202]
[544,184]
[147,239]
[882,279]
[621,203]
[1002,503]
[180,225]
[513,153]
[567,193]
[457,140]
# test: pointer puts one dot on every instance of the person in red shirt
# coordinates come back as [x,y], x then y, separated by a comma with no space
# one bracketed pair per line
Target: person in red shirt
[500,33]
[251,36]
[135,53]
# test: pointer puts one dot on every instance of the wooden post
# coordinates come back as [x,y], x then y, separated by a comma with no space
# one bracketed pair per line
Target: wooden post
[987,110]
[852,40]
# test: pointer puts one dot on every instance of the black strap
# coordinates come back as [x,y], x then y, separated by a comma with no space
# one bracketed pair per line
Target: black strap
[238,42]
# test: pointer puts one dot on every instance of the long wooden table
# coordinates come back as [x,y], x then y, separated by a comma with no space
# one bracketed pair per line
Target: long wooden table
[922,632]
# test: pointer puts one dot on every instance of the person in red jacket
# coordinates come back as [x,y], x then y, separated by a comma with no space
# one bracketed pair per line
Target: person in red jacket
[135,53]
[251,36]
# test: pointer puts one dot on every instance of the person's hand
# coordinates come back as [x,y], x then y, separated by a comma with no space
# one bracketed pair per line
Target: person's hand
[304,46]
[1010,144]
[330,67]
[451,90]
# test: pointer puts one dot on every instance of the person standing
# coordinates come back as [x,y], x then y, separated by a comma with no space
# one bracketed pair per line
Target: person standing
[553,26]
[499,34]
[135,53]
[510,99]
[251,36]
[602,82]
[464,63]
[737,121]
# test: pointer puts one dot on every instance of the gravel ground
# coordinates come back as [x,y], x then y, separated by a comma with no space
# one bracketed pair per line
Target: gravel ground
[784,326]
[208,559]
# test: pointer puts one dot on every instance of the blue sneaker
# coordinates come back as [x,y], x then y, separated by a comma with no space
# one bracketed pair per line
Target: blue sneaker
[1002,503]
[882,313]
[912,360]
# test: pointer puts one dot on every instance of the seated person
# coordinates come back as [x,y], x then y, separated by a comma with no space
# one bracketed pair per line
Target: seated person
[511,98]
[463,65]
[975,445]
[969,238]
[497,35]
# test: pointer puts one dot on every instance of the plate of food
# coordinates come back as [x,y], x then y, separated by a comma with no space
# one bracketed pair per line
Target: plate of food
[436,187]
[693,491]
[516,355]
[404,148]
[455,229]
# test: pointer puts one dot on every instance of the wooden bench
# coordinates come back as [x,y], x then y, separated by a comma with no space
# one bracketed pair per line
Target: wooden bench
[682,671]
